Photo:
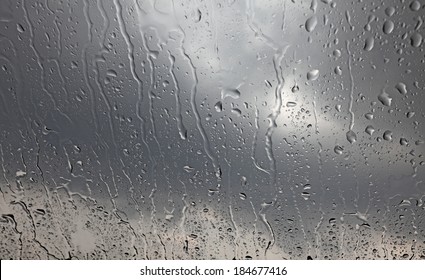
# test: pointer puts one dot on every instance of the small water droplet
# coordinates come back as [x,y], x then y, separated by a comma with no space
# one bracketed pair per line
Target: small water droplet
[291,104]
[410,114]
[295,88]
[188,168]
[242,196]
[237,112]
[20,28]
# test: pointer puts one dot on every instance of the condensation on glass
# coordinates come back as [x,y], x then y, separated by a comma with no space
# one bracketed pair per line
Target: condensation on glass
[135,129]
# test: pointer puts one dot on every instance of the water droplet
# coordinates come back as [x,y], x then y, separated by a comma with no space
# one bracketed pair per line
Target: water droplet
[218,106]
[295,88]
[338,70]
[401,87]
[313,75]
[188,168]
[415,6]
[230,92]
[237,112]
[369,116]
[111,73]
[338,107]
[311,24]
[416,40]
[305,195]
[351,136]
[390,11]
[197,16]
[338,150]
[388,27]
[388,135]
[242,196]
[20,28]
[385,99]
[410,114]
[369,130]
[403,141]
[291,104]
[337,53]
[369,44]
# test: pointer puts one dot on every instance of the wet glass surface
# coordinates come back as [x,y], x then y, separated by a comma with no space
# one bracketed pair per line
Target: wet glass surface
[135,129]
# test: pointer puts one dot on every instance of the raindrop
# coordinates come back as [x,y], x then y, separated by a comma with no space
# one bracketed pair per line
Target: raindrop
[369,116]
[370,130]
[338,150]
[295,88]
[384,98]
[410,114]
[291,104]
[369,43]
[338,70]
[351,136]
[388,135]
[388,27]
[390,11]
[242,196]
[232,93]
[237,112]
[403,141]
[416,40]
[311,23]
[188,168]
[218,106]
[313,75]
[401,87]
[305,195]
[415,6]
[20,28]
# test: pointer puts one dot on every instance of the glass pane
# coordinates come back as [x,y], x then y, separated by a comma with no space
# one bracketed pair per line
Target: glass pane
[135,129]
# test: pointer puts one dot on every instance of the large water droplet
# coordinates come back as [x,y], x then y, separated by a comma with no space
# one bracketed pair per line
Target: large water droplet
[401,87]
[313,75]
[338,150]
[351,136]
[369,43]
[390,11]
[311,23]
[416,40]
[385,99]
[388,135]
[370,130]
[388,27]
[218,106]
[415,6]
[230,92]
